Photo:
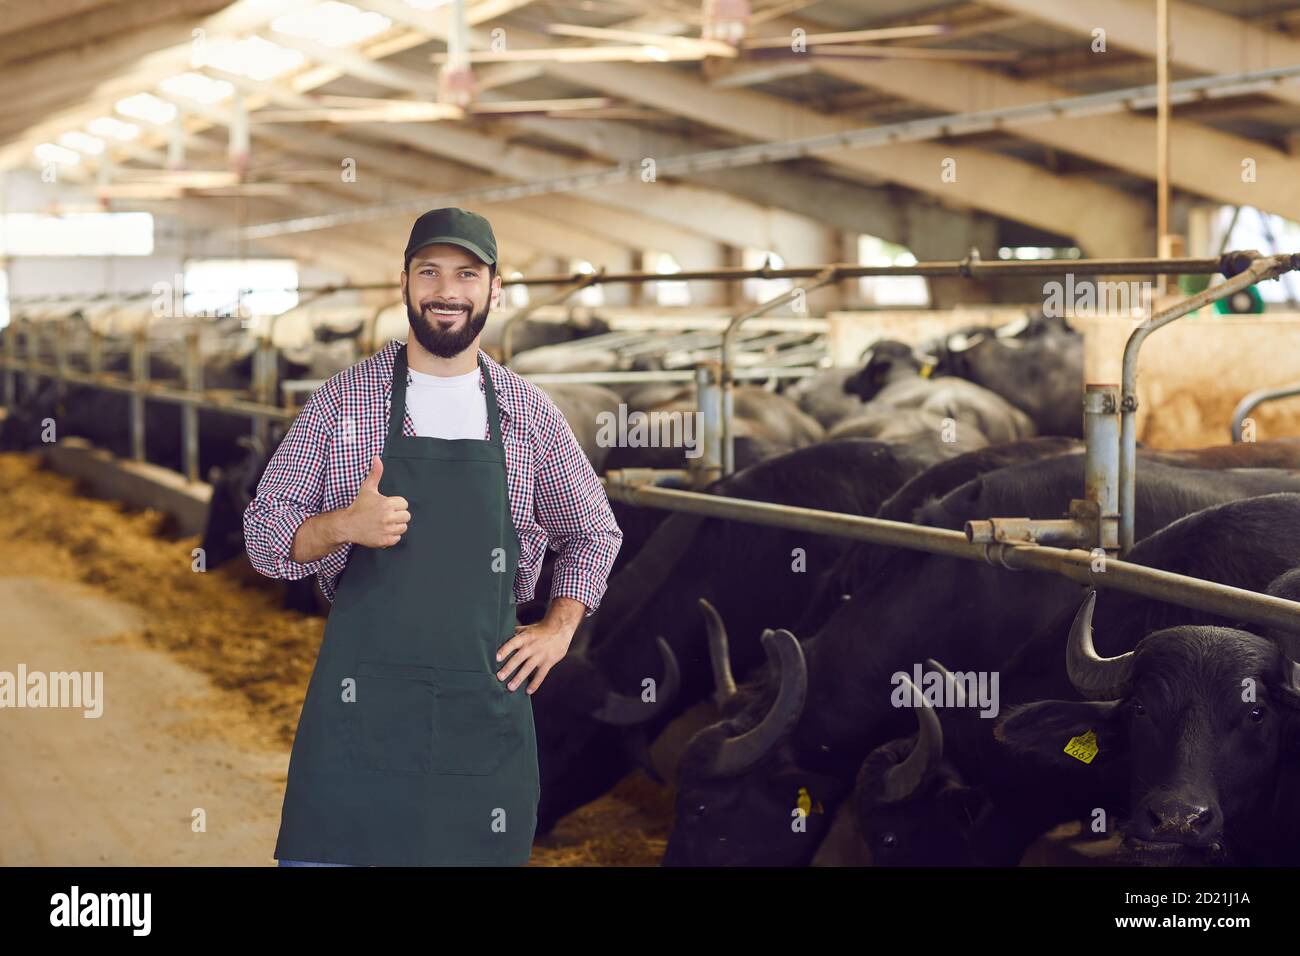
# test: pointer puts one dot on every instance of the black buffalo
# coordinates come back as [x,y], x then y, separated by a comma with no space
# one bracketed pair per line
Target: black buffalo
[222,541]
[920,605]
[976,802]
[591,718]
[1201,721]
[1039,369]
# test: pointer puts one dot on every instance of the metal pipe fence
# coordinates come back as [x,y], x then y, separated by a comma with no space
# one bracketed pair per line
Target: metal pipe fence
[1088,568]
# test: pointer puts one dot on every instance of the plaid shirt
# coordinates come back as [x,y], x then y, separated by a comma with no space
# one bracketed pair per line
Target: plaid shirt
[555,496]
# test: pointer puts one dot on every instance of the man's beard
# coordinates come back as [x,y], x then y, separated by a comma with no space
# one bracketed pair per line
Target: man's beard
[445,343]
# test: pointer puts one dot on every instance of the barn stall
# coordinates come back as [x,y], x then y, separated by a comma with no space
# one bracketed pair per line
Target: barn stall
[860,437]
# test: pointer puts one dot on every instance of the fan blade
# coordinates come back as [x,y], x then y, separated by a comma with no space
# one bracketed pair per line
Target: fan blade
[699,44]
[542,106]
[880,53]
[851,36]
[183,178]
[394,111]
[582,54]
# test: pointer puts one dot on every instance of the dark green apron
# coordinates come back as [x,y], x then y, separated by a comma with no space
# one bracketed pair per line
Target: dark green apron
[435,761]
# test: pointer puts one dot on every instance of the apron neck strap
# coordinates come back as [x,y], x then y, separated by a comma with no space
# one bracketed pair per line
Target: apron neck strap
[397,413]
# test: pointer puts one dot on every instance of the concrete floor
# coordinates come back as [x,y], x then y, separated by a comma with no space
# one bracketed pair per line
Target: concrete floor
[124,788]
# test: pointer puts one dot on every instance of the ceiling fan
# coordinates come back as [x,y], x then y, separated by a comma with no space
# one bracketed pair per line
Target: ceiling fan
[725,36]
[177,183]
[362,109]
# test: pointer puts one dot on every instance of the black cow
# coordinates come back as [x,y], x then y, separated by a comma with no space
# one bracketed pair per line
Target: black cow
[638,523]
[976,802]
[897,383]
[1202,721]
[102,416]
[223,529]
[1039,369]
[862,558]
[970,614]
[590,710]
[920,605]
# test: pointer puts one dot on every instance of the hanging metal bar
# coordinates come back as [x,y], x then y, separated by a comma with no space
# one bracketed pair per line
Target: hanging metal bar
[87,298]
[967,268]
[825,277]
[1255,399]
[139,376]
[1076,564]
[1256,268]
[578,282]
[193,369]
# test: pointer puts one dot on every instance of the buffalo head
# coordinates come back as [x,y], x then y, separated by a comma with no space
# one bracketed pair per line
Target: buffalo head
[1198,719]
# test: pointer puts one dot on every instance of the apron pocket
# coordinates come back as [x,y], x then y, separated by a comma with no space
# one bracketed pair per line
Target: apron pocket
[473,723]
[393,718]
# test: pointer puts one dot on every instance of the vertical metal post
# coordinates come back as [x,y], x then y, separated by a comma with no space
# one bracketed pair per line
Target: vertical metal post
[32,347]
[708,467]
[264,385]
[1261,267]
[193,371]
[139,375]
[1101,474]
[1162,136]
[11,374]
[95,358]
[728,419]
[61,358]
[828,275]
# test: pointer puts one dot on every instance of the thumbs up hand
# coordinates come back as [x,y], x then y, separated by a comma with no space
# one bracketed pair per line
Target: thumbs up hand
[373,519]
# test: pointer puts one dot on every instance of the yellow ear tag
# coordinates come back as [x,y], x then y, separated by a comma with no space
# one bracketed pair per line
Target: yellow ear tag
[1084,747]
[926,369]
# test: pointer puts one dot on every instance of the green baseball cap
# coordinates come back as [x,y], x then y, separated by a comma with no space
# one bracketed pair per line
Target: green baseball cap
[459,227]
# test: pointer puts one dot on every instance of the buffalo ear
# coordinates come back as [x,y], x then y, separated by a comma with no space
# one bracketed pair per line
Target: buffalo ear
[1044,728]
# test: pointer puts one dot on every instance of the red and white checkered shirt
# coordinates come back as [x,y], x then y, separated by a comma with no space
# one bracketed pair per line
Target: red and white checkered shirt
[555,496]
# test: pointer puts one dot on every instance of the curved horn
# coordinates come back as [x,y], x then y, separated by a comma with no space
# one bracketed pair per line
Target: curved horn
[1013,328]
[625,710]
[958,691]
[737,754]
[719,654]
[1096,678]
[904,779]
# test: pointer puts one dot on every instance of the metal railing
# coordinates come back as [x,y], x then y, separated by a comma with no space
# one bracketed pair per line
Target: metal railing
[633,487]
[1253,401]
[1104,518]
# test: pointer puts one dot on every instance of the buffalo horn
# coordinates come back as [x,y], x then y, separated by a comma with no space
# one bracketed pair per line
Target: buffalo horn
[738,754]
[958,692]
[904,779]
[1096,678]
[626,710]
[719,654]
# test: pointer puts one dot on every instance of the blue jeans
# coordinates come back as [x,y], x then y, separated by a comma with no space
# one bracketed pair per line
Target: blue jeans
[306,863]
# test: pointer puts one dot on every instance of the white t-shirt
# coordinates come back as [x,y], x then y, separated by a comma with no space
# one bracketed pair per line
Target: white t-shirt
[450,406]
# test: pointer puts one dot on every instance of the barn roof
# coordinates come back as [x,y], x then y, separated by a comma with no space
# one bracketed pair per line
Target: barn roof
[322,83]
